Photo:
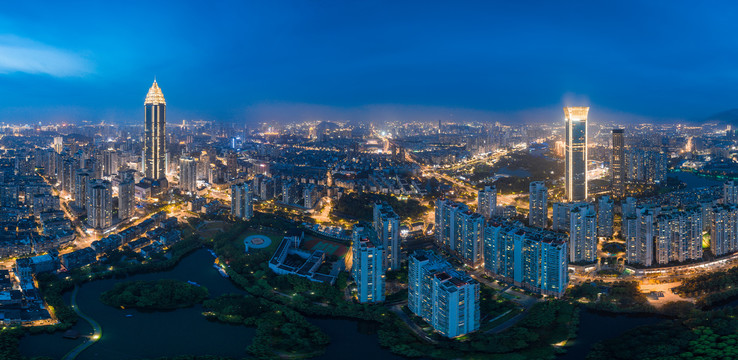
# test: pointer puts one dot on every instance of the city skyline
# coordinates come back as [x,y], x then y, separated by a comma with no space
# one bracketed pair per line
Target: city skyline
[288,63]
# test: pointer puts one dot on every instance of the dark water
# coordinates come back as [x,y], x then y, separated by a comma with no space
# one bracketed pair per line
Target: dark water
[183,331]
[694,181]
[595,327]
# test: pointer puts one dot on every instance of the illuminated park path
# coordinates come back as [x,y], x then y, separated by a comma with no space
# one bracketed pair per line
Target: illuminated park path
[96,334]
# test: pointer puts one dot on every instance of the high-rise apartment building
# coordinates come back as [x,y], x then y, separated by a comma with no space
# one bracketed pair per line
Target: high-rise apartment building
[187,174]
[583,234]
[155,142]
[487,201]
[730,192]
[724,229]
[99,204]
[81,178]
[367,269]
[640,243]
[605,216]
[576,153]
[538,205]
[126,198]
[445,298]
[387,226]
[241,201]
[617,164]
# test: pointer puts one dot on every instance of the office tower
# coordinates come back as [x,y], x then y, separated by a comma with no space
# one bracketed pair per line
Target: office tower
[126,197]
[241,204]
[99,204]
[639,247]
[723,236]
[533,258]
[487,201]
[446,298]
[155,146]
[605,216]
[730,192]
[617,165]
[81,178]
[583,234]
[538,205]
[366,266]
[576,153]
[187,174]
[387,226]
[459,230]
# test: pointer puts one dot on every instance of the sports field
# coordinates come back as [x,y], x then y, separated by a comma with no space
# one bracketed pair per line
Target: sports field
[330,247]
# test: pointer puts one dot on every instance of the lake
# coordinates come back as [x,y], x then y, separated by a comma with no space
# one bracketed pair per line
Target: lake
[184,331]
[693,180]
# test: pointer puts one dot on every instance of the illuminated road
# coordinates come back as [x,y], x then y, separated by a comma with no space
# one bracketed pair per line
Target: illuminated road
[96,334]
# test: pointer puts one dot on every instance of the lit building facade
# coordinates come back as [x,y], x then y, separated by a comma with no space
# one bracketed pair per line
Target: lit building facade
[367,266]
[241,201]
[487,201]
[99,204]
[533,258]
[605,216]
[155,142]
[576,153]
[387,226]
[617,164]
[445,298]
[538,205]
[187,174]
[583,234]
[126,198]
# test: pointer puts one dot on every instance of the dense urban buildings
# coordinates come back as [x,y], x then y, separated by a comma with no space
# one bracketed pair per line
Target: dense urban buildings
[605,216]
[459,230]
[367,268]
[576,153]
[155,135]
[444,297]
[532,258]
[187,174]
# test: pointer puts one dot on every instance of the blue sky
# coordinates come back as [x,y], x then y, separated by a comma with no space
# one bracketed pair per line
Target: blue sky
[293,60]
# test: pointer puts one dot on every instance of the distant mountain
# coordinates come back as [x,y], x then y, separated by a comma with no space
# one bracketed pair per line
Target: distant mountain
[726,117]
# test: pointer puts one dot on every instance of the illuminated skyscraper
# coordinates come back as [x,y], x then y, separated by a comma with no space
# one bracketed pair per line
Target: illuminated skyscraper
[155,145]
[126,190]
[605,216]
[576,153]
[617,165]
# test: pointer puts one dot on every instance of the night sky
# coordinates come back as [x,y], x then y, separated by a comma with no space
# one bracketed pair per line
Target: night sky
[349,60]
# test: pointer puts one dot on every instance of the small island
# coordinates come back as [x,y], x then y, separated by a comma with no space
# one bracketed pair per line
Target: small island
[154,295]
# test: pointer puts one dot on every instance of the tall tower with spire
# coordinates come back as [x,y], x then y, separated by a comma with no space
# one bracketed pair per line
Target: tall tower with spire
[155,145]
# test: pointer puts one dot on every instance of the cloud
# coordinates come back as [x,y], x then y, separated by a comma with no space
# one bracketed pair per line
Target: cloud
[28,56]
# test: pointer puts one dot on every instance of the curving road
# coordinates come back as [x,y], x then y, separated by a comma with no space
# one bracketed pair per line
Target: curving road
[96,334]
